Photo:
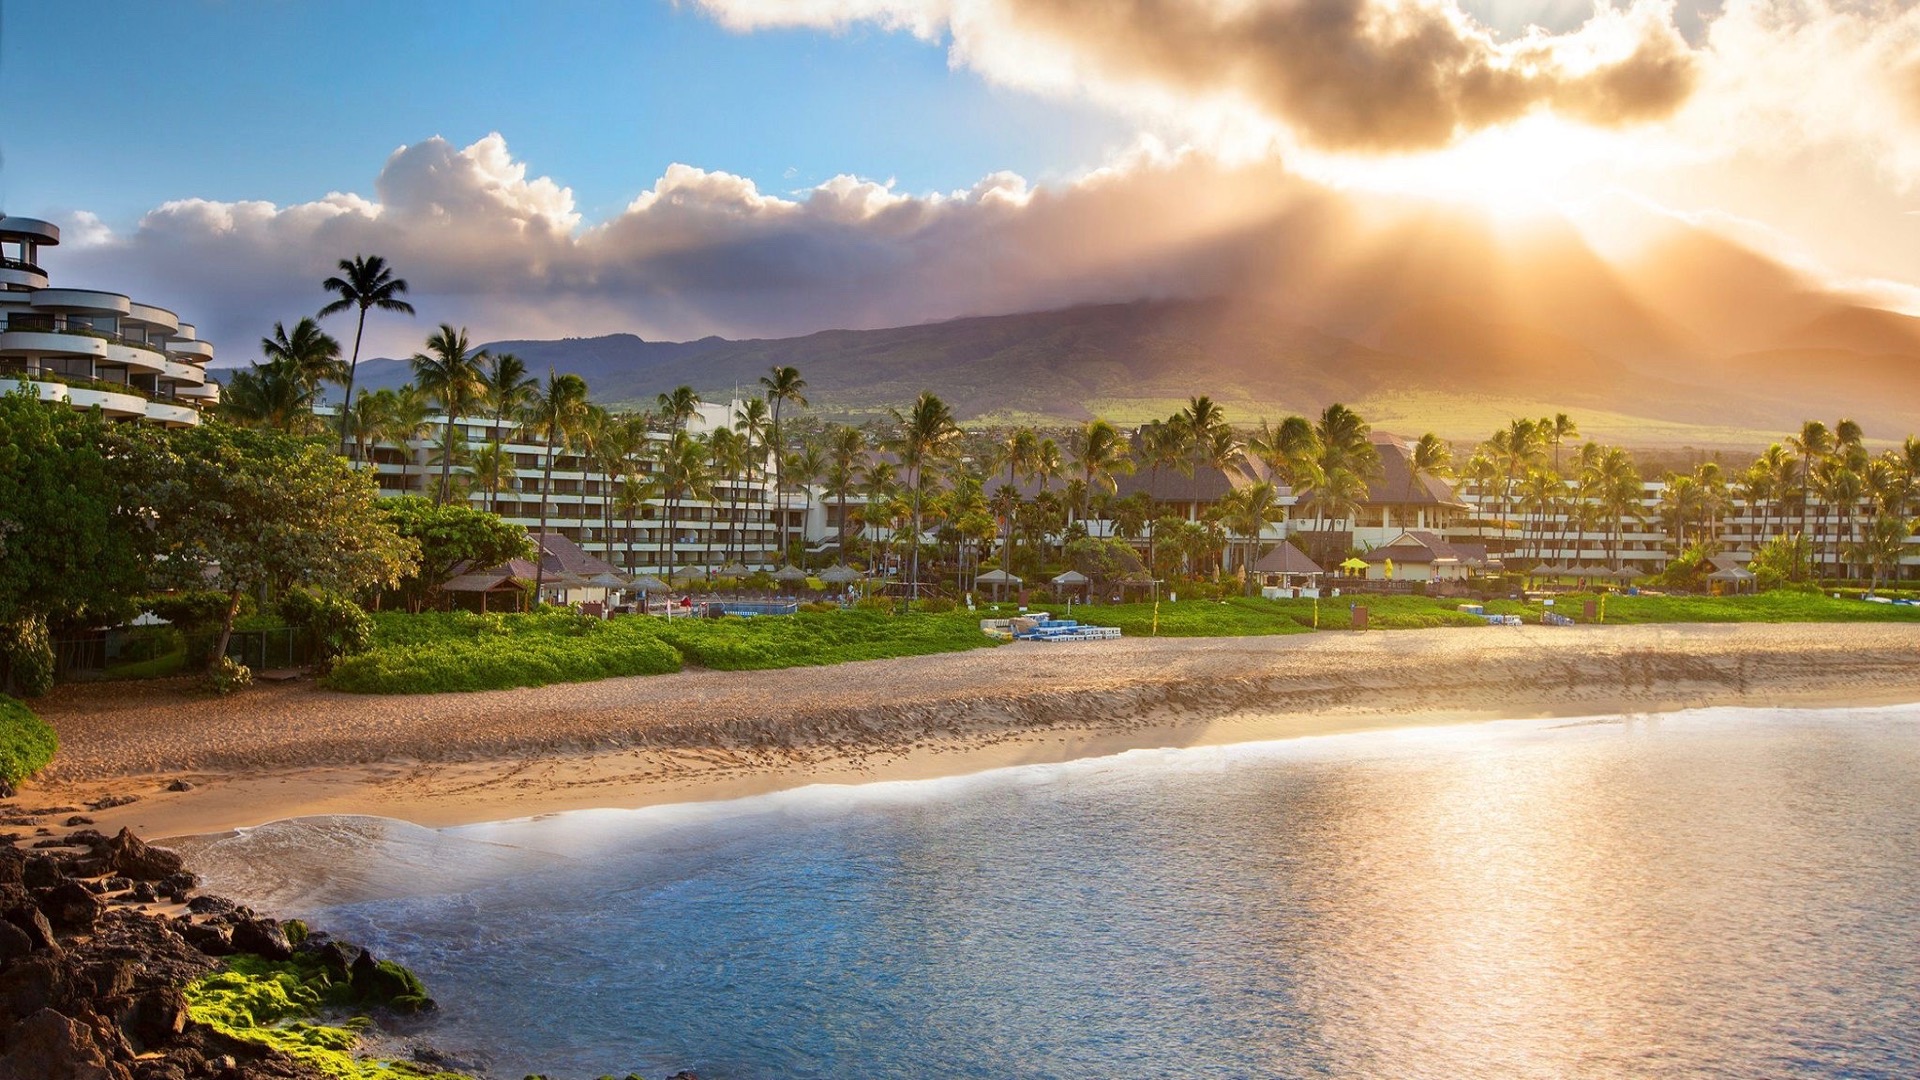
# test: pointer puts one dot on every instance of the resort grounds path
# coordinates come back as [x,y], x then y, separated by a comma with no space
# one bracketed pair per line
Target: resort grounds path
[277,751]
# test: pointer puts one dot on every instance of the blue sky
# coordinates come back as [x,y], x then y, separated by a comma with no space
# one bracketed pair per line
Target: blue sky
[1102,150]
[285,101]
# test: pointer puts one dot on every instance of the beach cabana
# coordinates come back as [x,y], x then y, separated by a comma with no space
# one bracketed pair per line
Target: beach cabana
[790,575]
[839,574]
[647,583]
[1732,579]
[1286,571]
[734,569]
[494,589]
[1000,580]
[1072,579]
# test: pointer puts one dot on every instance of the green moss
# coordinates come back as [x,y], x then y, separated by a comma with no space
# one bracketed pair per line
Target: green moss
[27,742]
[282,1004]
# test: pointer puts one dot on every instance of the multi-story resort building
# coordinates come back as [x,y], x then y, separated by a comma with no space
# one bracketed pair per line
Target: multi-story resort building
[89,348]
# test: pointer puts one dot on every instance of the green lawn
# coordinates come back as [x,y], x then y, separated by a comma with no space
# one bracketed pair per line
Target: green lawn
[448,652]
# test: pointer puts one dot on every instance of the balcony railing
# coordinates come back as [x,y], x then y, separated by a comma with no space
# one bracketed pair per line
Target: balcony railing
[21,264]
[34,326]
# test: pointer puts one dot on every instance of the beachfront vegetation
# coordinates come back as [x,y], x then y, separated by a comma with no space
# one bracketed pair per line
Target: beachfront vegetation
[435,652]
[27,743]
[449,537]
[814,638]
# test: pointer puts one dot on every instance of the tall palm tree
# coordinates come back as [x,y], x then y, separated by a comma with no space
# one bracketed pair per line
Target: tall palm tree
[1247,511]
[1019,453]
[554,417]
[452,375]
[729,450]
[271,395]
[846,454]
[1165,445]
[755,417]
[678,406]
[492,467]
[927,432]
[782,385]
[1102,456]
[365,282]
[408,421]
[508,389]
[683,475]
[1813,441]
[309,353]
[806,464]
[368,421]
[1431,456]
[1618,487]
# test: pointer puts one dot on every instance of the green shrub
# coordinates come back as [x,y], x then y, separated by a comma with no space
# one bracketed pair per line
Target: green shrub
[937,605]
[459,651]
[27,743]
[193,609]
[26,655]
[337,625]
[810,638]
[228,675]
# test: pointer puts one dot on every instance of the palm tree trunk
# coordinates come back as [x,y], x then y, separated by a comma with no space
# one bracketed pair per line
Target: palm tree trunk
[913,589]
[353,367]
[546,491]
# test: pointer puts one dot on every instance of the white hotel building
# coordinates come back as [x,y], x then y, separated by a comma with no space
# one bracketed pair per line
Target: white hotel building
[90,348]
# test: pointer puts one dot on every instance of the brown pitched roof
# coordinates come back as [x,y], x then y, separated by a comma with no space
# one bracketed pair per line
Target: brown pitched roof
[1391,487]
[559,554]
[1415,546]
[1286,559]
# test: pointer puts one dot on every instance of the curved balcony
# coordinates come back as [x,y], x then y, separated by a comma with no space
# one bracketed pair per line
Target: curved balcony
[195,350]
[136,356]
[81,300]
[148,315]
[171,415]
[47,391]
[110,403]
[22,274]
[54,342]
[186,373]
[206,394]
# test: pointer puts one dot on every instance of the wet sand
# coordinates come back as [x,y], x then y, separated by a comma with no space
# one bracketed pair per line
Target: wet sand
[273,752]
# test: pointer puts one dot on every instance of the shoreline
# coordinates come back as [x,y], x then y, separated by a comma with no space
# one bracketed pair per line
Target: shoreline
[438,760]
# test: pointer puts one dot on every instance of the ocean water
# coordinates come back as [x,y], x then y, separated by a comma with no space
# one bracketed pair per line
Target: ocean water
[1723,893]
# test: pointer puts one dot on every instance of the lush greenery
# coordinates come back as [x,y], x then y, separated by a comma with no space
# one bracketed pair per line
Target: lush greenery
[284,1004]
[248,510]
[27,743]
[811,638]
[450,536]
[73,547]
[435,652]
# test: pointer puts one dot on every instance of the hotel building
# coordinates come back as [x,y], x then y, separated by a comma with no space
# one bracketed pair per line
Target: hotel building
[89,348]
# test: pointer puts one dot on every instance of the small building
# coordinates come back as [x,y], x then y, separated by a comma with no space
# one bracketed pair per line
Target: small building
[1286,572]
[1419,555]
[566,574]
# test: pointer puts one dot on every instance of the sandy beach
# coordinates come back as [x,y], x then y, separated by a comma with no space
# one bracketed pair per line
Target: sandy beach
[290,750]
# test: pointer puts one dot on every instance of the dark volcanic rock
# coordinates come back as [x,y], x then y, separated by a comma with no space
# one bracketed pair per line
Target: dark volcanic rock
[135,858]
[214,939]
[50,1046]
[210,905]
[264,937]
[112,801]
[69,906]
[77,820]
[180,785]
[41,872]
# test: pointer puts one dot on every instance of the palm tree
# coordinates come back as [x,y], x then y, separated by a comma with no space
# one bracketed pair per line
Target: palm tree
[1618,487]
[752,424]
[1882,548]
[926,433]
[678,406]
[408,420]
[683,475]
[1813,441]
[806,464]
[1482,473]
[272,395]
[508,389]
[781,385]
[1431,456]
[492,467]
[368,421]
[1247,511]
[1101,455]
[450,374]
[309,354]
[635,492]
[729,451]
[1020,452]
[366,283]
[554,416]
[1165,444]
[846,453]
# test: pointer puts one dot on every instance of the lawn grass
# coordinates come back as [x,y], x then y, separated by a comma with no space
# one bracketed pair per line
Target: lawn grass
[440,652]
[432,653]
[818,637]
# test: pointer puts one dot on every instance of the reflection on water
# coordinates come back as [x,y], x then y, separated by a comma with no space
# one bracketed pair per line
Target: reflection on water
[1718,893]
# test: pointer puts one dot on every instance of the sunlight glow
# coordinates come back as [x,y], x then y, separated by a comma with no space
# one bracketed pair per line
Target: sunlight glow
[1539,165]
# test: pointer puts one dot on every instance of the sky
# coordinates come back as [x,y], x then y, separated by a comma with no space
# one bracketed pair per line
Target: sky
[771,167]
